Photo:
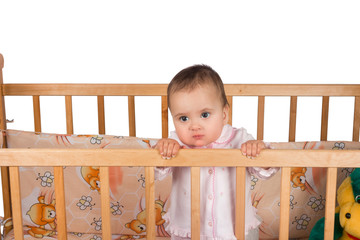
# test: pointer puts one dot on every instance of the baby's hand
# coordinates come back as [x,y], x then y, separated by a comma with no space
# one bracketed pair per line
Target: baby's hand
[252,148]
[168,148]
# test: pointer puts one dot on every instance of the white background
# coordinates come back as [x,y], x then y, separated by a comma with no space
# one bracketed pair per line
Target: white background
[150,41]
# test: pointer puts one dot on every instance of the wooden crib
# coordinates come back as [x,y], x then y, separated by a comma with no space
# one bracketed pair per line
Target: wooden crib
[11,159]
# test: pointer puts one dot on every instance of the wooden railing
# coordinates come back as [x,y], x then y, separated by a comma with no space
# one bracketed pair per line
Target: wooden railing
[199,158]
[232,90]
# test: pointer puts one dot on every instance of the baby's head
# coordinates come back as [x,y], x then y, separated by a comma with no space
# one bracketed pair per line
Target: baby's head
[195,76]
[198,105]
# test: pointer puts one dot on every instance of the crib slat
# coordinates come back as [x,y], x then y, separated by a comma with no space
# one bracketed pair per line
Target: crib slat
[324,118]
[69,115]
[240,203]
[356,119]
[330,203]
[195,203]
[37,116]
[150,202]
[164,117]
[260,121]
[6,192]
[16,203]
[284,203]
[230,101]
[292,124]
[131,107]
[60,202]
[101,114]
[105,203]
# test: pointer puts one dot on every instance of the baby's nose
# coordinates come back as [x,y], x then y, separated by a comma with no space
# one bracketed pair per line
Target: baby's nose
[195,126]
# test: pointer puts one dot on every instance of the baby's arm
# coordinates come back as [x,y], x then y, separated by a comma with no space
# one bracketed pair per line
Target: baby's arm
[168,147]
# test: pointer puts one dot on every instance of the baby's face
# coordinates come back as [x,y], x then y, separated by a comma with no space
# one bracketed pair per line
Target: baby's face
[198,115]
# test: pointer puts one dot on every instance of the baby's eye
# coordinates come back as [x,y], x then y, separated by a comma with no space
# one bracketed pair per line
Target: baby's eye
[205,115]
[183,118]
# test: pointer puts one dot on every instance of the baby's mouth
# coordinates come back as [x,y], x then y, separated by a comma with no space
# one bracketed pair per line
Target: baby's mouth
[198,136]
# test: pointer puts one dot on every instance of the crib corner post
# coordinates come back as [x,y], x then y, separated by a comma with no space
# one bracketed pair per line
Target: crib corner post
[4,170]
[1,61]
[2,101]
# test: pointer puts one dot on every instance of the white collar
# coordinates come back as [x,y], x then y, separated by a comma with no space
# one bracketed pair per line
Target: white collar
[226,135]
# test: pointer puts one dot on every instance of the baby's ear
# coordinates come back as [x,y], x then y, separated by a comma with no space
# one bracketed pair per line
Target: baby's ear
[226,110]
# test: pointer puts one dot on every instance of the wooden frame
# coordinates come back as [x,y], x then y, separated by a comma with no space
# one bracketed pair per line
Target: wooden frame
[11,159]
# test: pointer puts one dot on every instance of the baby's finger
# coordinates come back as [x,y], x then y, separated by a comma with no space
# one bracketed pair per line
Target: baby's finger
[165,149]
[243,149]
[169,151]
[158,146]
[248,149]
[175,150]
[260,147]
[254,149]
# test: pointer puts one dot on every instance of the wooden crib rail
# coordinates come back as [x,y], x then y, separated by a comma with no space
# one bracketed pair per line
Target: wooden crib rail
[160,89]
[132,90]
[199,158]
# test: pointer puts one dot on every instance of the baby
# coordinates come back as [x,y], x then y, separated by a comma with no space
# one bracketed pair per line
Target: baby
[200,112]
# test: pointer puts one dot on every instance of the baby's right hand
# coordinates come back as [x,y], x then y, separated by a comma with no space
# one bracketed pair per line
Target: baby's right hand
[168,148]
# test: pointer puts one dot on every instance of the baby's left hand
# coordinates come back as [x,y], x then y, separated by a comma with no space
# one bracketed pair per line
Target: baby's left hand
[252,148]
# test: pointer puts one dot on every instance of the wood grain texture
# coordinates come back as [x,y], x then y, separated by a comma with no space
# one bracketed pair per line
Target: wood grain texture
[69,115]
[5,178]
[1,61]
[37,116]
[164,117]
[105,203]
[240,203]
[230,101]
[292,123]
[324,118]
[284,203]
[160,89]
[195,203]
[16,203]
[185,158]
[60,203]
[150,202]
[356,126]
[330,203]
[131,111]
[101,114]
[260,118]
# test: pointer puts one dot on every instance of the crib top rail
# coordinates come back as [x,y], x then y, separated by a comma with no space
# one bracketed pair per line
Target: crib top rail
[186,157]
[160,89]
[194,158]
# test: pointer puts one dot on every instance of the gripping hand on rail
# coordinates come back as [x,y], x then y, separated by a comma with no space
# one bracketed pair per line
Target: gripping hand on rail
[252,148]
[167,147]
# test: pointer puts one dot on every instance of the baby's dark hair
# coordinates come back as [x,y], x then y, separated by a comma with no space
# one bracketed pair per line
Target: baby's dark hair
[195,76]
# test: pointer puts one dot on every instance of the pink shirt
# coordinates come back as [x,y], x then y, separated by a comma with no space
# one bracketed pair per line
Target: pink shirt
[217,193]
